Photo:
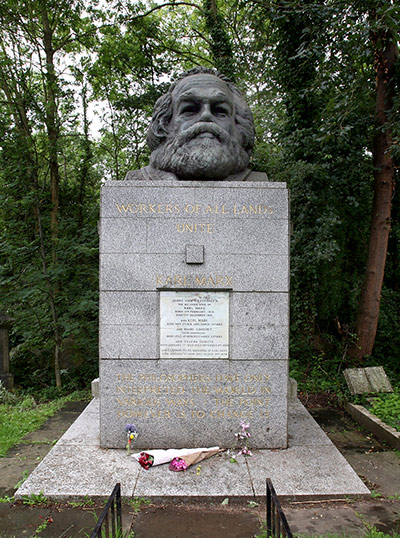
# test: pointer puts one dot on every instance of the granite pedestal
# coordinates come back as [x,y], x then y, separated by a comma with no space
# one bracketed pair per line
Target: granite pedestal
[194,312]
[310,468]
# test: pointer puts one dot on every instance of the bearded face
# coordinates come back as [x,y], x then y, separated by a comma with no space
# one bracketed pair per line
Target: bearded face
[203,140]
[203,151]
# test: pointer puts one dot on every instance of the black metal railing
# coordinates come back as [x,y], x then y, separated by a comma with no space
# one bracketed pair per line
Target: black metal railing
[277,525]
[110,518]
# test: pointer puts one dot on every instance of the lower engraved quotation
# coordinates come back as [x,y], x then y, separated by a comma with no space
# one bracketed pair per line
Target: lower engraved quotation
[245,401]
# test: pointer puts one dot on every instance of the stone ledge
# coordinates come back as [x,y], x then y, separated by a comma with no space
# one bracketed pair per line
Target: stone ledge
[374,424]
[311,468]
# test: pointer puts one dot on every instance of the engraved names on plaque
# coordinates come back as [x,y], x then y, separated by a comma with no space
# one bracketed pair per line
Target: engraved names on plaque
[194,325]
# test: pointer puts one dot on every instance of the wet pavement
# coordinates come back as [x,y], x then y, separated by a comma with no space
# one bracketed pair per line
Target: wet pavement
[374,462]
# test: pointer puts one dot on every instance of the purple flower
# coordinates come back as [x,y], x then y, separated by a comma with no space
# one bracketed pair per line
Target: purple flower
[130,428]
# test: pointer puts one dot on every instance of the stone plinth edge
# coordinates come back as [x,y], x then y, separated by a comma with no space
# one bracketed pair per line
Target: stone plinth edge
[374,424]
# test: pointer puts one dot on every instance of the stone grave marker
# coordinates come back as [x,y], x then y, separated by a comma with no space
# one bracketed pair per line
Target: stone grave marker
[194,312]
[367,380]
[6,378]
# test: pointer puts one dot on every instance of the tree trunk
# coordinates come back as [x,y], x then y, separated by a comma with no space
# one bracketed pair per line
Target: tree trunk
[220,46]
[368,310]
[52,136]
[52,128]
[84,172]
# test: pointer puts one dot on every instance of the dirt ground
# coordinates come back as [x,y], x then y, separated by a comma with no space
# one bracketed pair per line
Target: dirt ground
[375,463]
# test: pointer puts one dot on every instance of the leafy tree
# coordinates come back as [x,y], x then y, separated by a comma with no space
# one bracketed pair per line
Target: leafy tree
[323,142]
[383,37]
[220,45]
[37,114]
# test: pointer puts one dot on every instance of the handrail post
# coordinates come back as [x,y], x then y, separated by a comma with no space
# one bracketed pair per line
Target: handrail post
[276,520]
[113,508]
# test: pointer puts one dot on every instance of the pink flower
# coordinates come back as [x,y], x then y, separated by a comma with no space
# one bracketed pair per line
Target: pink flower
[178,464]
[245,452]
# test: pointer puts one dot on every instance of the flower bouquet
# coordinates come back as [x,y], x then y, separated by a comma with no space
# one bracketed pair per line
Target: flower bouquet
[188,456]
[146,460]
[181,463]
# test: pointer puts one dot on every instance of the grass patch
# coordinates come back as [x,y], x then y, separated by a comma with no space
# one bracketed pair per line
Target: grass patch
[387,408]
[84,503]
[24,415]
[136,503]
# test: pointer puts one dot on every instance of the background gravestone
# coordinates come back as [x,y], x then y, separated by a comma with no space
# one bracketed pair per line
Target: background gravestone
[6,378]
[193,312]
[367,380]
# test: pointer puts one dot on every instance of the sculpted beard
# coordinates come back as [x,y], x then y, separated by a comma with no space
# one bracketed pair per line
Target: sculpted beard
[192,157]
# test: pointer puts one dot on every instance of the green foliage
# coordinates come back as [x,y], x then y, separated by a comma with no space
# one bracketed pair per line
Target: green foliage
[307,71]
[319,373]
[137,502]
[42,527]
[387,408]
[24,476]
[86,502]
[35,499]
[6,397]
[387,343]
[220,45]
[6,499]
[25,416]
[48,280]
[321,144]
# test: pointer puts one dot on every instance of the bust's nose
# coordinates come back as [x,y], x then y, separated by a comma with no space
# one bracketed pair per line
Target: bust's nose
[205,114]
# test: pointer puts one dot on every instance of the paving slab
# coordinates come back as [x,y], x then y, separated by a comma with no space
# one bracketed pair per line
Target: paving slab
[303,430]
[16,466]
[380,470]
[311,467]
[77,471]
[63,521]
[189,522]
[84,431]
[215,478]
[306,472]
[342,518]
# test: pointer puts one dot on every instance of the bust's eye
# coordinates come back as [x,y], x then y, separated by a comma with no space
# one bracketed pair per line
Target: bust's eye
[220,110]
[189,108]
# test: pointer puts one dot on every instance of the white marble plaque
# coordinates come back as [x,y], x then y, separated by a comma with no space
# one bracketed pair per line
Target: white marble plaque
[194,325]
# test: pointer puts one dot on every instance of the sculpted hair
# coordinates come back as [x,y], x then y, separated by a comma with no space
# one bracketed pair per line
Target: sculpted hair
[162,113]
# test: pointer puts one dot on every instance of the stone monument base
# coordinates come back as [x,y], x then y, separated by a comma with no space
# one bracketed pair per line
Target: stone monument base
[310,468]
[194,312]
[193,403]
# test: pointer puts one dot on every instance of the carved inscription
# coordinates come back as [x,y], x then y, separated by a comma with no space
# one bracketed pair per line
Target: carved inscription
[194,325]
[189,281]
[195,210]
[242,397]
